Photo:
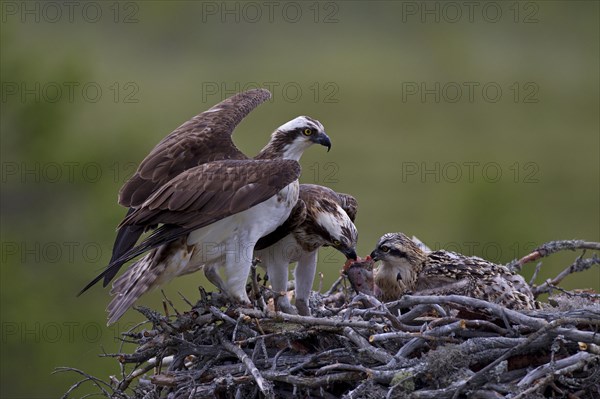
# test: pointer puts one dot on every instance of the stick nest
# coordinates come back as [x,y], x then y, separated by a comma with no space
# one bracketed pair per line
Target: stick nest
[354,346]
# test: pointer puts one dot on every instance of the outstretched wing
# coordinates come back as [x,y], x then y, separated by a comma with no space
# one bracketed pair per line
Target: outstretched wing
[201,196]
[204,138]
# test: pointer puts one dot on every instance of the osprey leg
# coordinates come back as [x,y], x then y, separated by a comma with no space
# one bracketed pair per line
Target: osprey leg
[305,275]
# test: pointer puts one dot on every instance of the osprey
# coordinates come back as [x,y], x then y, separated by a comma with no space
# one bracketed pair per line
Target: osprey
[200,189]
[320,217]
[406,267]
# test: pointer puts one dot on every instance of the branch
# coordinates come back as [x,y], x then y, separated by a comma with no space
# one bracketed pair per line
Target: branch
[265,387]
[579,265]
[553,247]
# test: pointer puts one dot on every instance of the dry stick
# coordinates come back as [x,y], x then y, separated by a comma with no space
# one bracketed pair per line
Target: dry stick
[311,382]
[309,320]
[538,267]
[577,266]
[578,358]
[334,286]
[383,376]
[265,386]
[98,382]
[315,357]
[553,247]
[170,304]
[571,293]
[374,302]
[378,354]
[565,369]
[480,375]
[497,310]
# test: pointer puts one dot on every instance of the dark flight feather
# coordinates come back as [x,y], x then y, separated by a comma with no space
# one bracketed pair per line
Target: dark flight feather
[204,138]
[211,192]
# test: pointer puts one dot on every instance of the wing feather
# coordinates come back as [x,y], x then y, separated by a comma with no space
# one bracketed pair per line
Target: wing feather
[349,204]
[204,138]
[208,198]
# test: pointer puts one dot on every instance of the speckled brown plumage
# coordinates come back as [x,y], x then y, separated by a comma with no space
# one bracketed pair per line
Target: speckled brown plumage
[406,268]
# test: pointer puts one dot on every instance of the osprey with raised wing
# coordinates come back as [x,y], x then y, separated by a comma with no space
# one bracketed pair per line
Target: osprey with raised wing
[203,197]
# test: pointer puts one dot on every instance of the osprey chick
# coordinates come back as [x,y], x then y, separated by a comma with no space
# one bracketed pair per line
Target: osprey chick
[406,268]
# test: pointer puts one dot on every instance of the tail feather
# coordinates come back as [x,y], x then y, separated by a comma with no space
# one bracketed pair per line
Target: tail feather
[159,266]
[138,279]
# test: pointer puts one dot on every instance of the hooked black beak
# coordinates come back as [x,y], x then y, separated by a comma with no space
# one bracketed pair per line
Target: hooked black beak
[374,256]
[350,253]
[324,140]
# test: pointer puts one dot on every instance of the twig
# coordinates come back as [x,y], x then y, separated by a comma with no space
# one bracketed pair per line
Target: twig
[579,265]
[578,359]
[553,247]
[96,381]
[265,386]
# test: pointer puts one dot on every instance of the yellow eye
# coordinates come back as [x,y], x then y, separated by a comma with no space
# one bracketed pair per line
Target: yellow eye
[336,243]
[307,132]
[385,249]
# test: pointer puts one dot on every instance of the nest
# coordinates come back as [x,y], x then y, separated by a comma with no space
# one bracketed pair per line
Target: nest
[354,346]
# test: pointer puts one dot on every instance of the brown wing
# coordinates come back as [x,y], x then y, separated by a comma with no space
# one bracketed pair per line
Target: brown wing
[208,193]
[349,204]
[204,138]
[201,196]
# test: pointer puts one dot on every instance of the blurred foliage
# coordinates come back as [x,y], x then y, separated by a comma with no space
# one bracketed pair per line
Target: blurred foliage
[353,67]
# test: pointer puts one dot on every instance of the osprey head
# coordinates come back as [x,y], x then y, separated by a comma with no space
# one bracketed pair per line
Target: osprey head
[335,228]
[293,137]
[396,249]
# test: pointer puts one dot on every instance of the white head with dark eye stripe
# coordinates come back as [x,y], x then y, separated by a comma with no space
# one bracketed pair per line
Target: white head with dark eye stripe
[291,139]
[397,250]
[337,230]
[327,224]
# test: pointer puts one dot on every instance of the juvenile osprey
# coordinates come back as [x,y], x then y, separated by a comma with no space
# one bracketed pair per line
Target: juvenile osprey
[321,217]
[405,268]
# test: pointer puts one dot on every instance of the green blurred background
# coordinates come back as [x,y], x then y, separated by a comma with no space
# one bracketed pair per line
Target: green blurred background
[475,128]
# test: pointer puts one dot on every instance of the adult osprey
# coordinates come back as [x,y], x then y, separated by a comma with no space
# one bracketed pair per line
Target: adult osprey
[196,184]
[320,217]
[406,267]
